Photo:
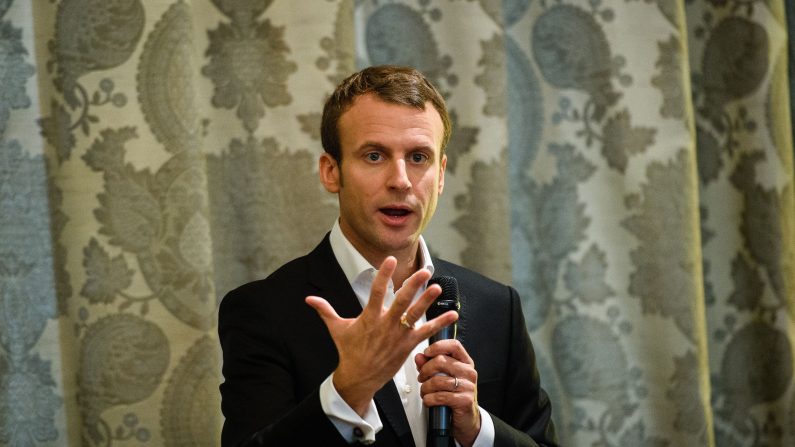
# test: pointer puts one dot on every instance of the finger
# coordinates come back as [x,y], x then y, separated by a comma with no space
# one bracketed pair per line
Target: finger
[420,360]
[415,311]
[444,365]
[406,294]
[449,399]
[324,309]
[451,347]
[435,325]
[436,366]
[439,383]
[380,284]
[420,307]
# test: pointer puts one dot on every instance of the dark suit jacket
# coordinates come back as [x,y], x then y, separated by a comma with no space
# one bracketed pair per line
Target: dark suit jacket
[277,351]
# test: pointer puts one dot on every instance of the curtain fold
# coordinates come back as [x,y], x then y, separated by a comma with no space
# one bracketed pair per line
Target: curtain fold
[626,165]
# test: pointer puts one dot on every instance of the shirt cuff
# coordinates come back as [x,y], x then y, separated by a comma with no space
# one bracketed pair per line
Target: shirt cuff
[486,436]
[351,426]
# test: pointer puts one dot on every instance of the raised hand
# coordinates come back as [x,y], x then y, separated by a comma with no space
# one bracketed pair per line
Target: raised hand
[373,346]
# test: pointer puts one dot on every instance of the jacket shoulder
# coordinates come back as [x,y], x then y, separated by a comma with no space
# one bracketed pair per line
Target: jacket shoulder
[473,283]
[286,274]
[286,287]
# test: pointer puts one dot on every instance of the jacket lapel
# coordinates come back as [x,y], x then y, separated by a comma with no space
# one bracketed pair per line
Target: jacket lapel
[329,279]
[388,402]
[327,276]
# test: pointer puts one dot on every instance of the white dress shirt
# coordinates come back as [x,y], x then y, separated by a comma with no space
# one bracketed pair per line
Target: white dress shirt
[360,275]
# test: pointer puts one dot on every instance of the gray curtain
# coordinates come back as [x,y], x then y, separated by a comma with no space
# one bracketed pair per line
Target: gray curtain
[627,165]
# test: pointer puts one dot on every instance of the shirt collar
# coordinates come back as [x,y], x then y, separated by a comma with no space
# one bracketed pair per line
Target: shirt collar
[354,264]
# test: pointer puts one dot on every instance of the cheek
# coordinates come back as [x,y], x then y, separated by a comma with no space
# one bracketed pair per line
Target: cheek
[354,200]
[430,187]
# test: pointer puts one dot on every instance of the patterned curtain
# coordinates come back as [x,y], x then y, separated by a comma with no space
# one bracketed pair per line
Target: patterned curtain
[627,165]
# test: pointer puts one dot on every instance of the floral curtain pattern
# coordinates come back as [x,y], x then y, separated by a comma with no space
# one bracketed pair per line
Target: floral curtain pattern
[627,165]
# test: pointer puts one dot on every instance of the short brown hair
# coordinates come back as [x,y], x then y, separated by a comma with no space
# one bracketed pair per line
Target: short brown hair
[391,83]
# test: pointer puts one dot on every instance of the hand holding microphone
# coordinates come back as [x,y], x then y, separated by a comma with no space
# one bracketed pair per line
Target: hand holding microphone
[448,378]
[440,430]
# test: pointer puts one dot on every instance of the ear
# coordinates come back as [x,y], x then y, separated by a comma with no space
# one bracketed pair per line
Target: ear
[442,167]
[329,173]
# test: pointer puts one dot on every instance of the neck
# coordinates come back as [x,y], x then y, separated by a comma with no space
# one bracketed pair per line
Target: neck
[408,259]
[408,262]
[406,267]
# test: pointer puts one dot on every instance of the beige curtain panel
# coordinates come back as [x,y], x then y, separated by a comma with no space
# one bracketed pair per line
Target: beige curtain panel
[627,165]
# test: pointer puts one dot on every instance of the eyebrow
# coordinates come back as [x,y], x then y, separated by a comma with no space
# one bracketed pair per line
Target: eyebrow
[371,145]
[375,145]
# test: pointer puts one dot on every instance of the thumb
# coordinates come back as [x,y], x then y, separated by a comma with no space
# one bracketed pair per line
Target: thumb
[323,309]
[419,360]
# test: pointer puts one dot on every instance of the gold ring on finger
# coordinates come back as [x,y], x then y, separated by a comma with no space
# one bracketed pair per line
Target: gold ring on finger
[404,321]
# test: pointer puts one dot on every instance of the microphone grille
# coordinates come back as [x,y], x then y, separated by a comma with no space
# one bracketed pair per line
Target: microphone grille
[449,287]
[448,300]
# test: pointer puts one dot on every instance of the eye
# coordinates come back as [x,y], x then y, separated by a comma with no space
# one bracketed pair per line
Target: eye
[418,157]
[373,156]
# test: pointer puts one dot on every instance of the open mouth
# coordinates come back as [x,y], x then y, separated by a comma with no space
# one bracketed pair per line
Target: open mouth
[395,212]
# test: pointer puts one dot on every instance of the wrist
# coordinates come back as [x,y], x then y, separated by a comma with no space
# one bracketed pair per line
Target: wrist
[471,436]
[354,392]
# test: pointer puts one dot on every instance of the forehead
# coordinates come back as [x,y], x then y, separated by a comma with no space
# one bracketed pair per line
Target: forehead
[371,118]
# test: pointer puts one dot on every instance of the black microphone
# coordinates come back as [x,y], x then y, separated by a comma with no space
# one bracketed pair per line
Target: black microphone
[440,427]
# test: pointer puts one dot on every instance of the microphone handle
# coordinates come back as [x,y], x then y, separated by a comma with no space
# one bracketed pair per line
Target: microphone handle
[443,435]
[445,333]
[440,419]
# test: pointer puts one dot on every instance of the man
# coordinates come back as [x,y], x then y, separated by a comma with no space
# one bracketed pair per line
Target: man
[329,351]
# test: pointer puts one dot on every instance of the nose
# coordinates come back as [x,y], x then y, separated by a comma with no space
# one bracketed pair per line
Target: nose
[398,176]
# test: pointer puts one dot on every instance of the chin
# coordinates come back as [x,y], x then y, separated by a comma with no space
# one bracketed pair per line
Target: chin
[397,244]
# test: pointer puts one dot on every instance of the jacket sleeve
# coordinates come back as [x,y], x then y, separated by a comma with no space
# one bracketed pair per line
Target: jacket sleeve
[258,396]
[527,414]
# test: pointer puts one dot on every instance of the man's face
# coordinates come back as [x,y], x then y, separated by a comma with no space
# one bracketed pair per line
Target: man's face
[390,177]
